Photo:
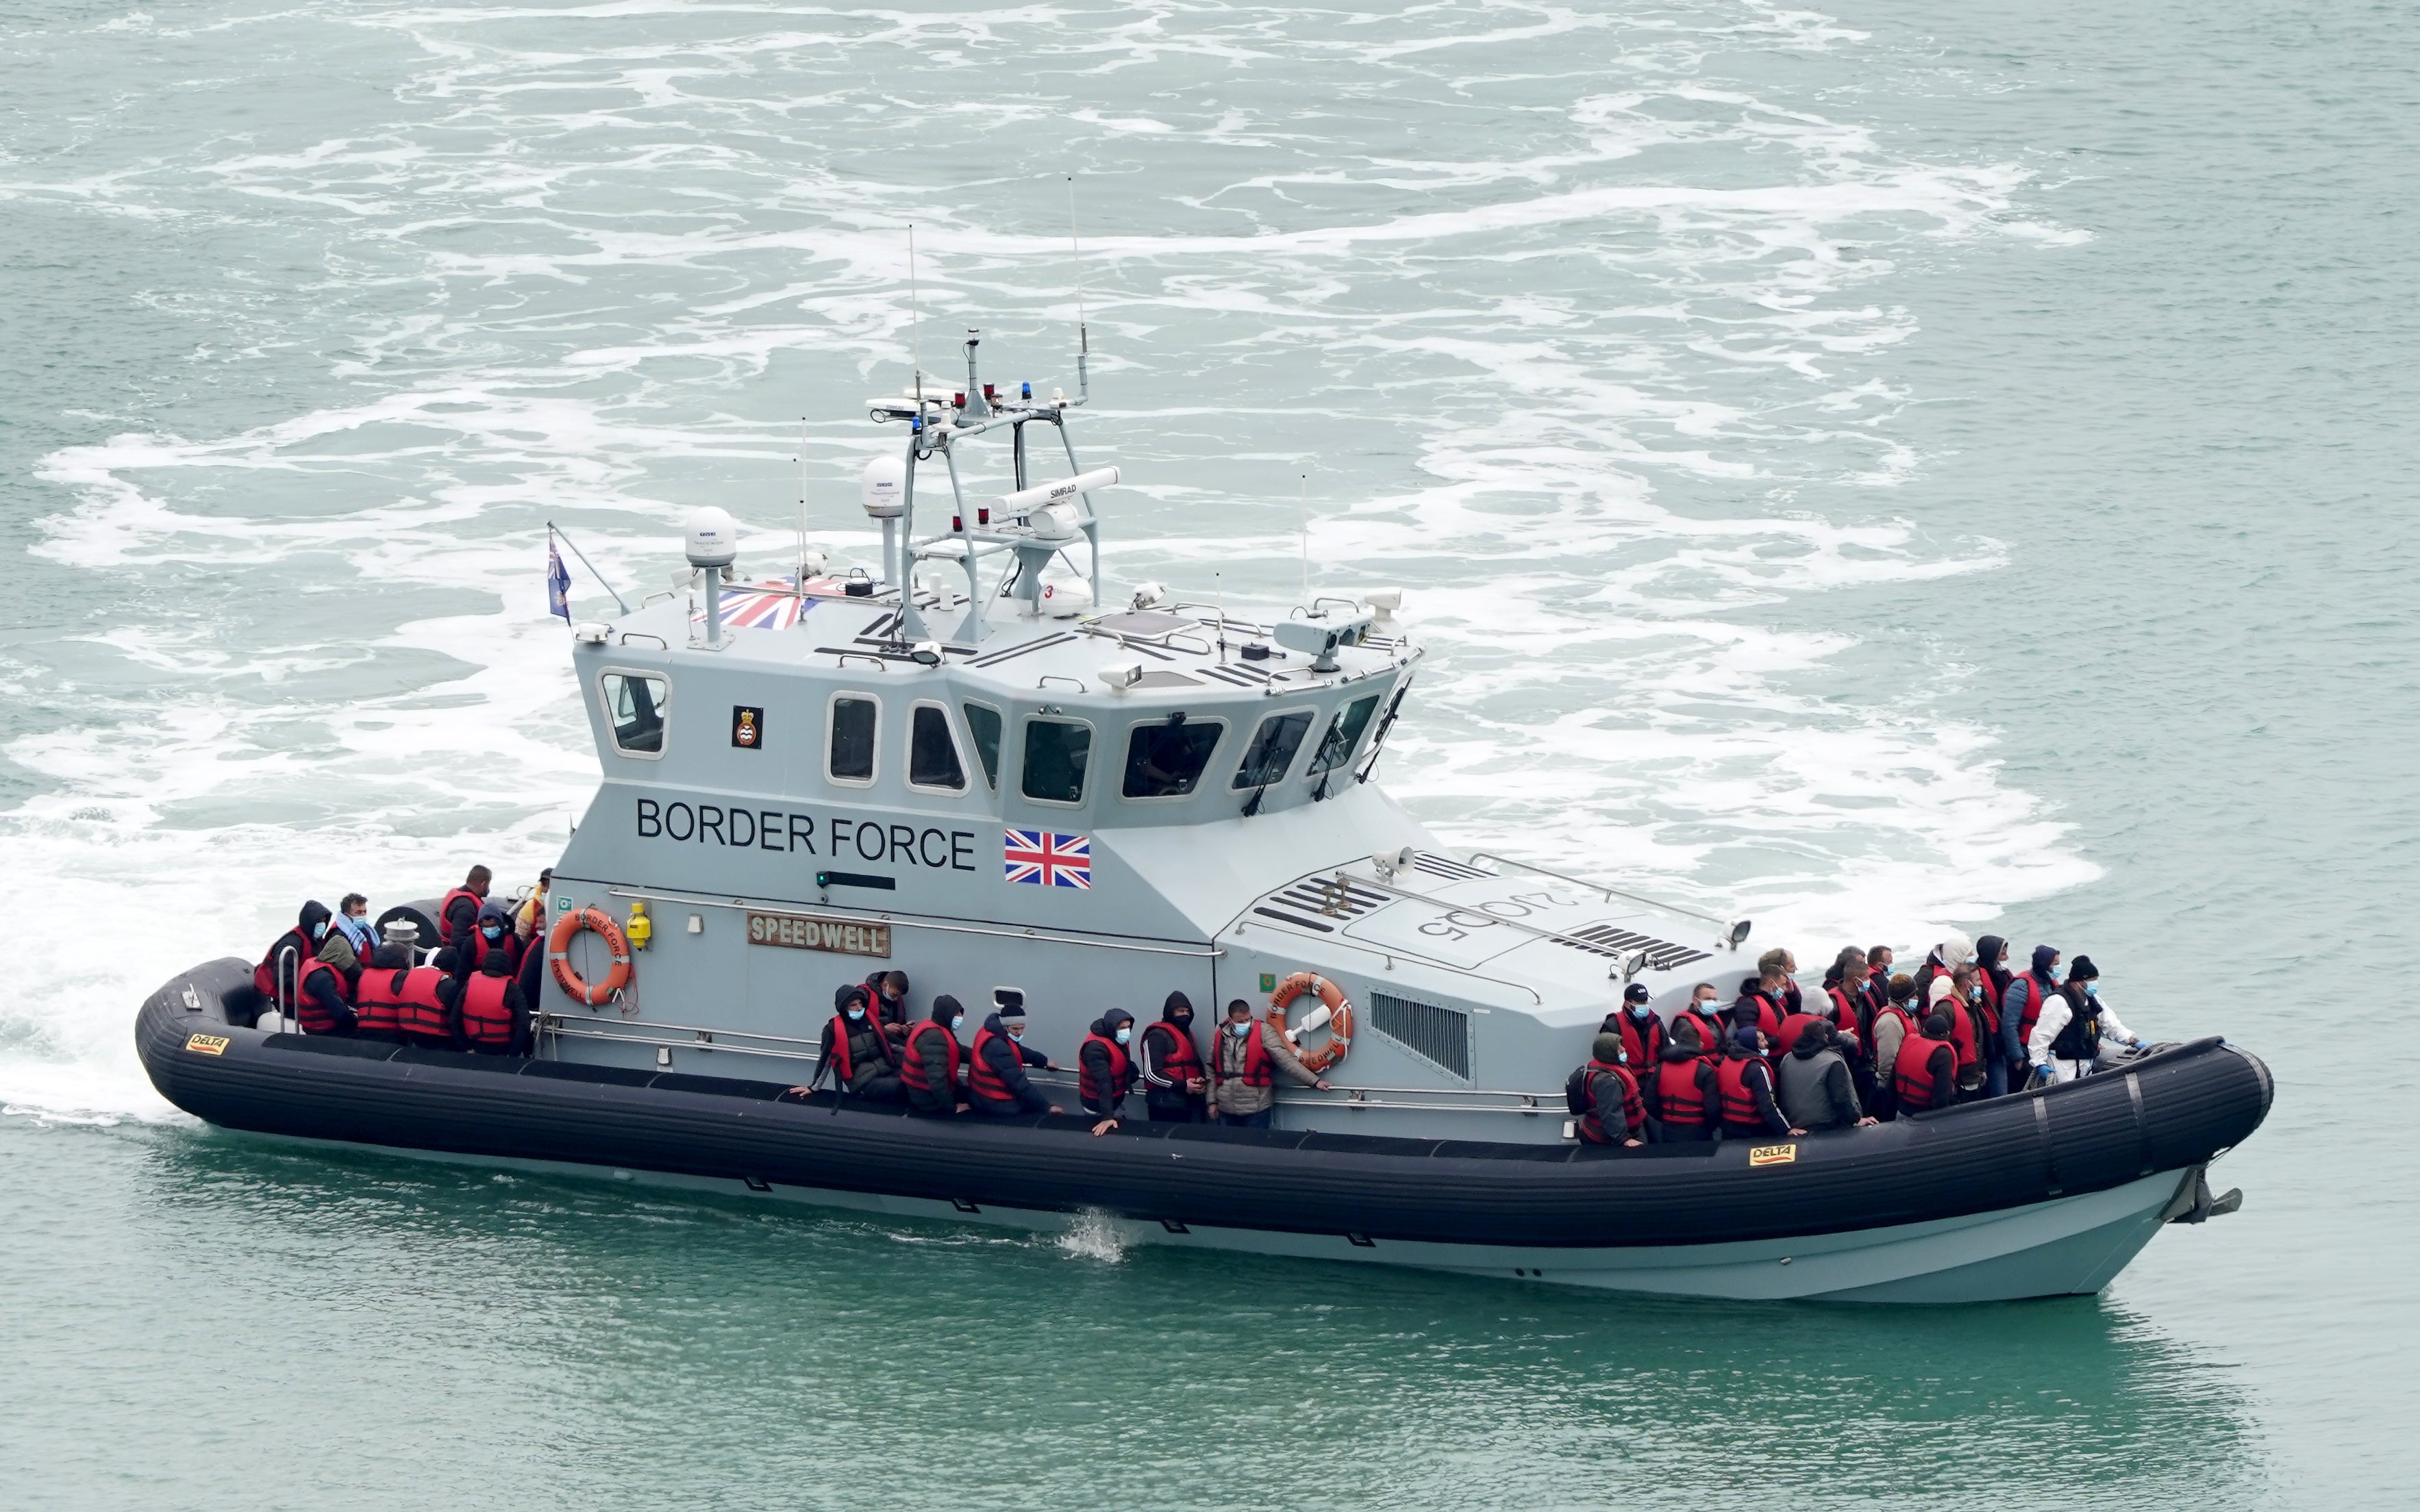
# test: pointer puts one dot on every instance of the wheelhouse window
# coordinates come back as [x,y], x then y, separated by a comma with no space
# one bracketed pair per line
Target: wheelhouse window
[1272,748]
[1343,734]
[933,751]
[1056,751]
[983,723]
[634,708]
[854,717]
[1165,759]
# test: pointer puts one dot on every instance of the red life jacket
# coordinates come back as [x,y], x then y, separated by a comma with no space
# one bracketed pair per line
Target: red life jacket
[1738,1104]
[843,1055]
[1711,1029]
[911,1063]
[1770,1011]
[1260,1069]
[1961,1031]
[1642,1042]
[981,1079]
[1911,1075]
[264,976]
[486,1021]
[380,1002]
[445,930]
[1633,1112]
[419,1013]
[316,1020]
[1845,1015]
[1676,1095]
[1792,1027]
[1181,1062]
[1098,1096]
[2037,993]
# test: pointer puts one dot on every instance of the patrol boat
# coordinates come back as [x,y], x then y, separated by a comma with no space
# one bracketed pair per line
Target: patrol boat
[997,780]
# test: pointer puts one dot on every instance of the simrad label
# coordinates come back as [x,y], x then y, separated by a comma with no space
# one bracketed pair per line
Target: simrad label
[841,937]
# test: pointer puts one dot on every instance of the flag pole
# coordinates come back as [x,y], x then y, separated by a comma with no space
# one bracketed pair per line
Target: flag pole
[566,537]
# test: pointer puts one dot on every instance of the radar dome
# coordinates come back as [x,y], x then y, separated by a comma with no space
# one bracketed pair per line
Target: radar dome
[883,486]
[711,538]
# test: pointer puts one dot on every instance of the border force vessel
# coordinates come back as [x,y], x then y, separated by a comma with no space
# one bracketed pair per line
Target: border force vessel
[966,766]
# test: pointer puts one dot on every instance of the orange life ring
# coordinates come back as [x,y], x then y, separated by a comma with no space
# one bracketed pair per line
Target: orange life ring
[1338,1018]
[558,946]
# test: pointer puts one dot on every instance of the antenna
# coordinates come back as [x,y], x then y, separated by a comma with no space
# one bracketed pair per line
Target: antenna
[1083,335]
[915,323]
[1302,512]
[1219,592]
[801,584]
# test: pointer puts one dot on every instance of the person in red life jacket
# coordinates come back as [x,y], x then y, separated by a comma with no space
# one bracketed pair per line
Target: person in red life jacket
[1642,1033]
[1105,1070]
[1688,1092]
[888,992]
[1845,1008]
[1173,1082]
[487,1009]
[1246,1063]
[1893,1024]
[932,1061]
[281,970]
[1925,1075]
[996,1086]
[1993,979]
[1960,995]
[1877,994]
[1745,1082]
[856,1052]
[1954,950]
[1605,1096]
[2021,1008]
[379,1001]
[495,933]
[1705,1012]
[324,1005]
[426,1001]
[1764,999]
[457,922]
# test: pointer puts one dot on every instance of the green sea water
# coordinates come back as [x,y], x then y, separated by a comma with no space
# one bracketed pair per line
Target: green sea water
[1877,468]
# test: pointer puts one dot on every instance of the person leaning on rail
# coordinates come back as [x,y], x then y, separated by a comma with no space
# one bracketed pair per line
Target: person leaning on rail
[1246,1061]
[2074,1026]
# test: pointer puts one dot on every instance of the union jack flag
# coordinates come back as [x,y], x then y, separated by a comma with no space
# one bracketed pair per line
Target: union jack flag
[755,609]
[1049,860]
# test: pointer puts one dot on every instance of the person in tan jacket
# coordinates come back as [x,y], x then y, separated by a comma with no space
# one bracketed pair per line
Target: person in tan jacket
[1251,1055]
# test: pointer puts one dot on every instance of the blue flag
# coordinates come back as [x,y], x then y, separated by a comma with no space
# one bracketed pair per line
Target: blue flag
[558,582]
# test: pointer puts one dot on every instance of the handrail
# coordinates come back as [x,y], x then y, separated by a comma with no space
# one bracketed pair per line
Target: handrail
[1611,892]
[807,910]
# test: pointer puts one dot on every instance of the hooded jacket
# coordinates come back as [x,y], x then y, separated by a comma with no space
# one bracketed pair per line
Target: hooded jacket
[1160,1043]
[1099,1066]
[931,1051]
[310,925]
[1817,1091]
[1239,1099]
[1006,1061]
[871,1053]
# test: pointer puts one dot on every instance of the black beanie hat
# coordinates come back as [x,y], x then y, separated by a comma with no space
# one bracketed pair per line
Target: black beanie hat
[1935,1025]
[2081,970]
[945,1007]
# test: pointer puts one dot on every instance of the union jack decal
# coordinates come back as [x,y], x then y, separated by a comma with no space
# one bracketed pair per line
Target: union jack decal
[1046,860]
[754,609]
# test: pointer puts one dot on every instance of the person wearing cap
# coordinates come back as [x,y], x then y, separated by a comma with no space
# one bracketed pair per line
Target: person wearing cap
[1688,1093]
[996,1086]
[1817,1090]
[1746,1079]
[2074,1026]
[1246,1064]
[1643,1034]
[2021,1007]
[1605,1097]
[532,913]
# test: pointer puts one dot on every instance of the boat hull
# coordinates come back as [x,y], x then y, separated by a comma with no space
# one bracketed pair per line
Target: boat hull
[2046,1194]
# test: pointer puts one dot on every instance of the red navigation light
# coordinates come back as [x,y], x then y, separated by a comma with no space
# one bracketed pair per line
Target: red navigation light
[983,515]
[987,390]
[958,401]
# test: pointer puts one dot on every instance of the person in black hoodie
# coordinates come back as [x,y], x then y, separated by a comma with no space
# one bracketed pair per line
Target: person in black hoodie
[273,978]
[1105,1068]
[1688,1095]
[864,1064]
[1173,1087]
[933,1061]
[1998,1071]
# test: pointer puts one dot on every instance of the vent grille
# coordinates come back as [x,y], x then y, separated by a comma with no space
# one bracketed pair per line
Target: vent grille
[1440,1036]
[1610,939]
[1446,866]
[1330,896]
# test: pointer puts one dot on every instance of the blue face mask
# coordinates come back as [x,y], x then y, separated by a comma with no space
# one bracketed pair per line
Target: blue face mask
[1239,1030]
[1125,1034]
[857,1011]
[958,1024]
[491,931]
[1642,1011]
[2091,989]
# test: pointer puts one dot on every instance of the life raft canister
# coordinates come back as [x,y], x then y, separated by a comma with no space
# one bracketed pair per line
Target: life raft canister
[1335,1013]
[558,947]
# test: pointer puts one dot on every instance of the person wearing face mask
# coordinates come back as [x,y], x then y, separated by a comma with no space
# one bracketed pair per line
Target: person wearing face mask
[1249,1059]
[1925,1075]
[932,1061]
[996,1086]
[1705,1012]
[1764,999]
[2021,1008]
[488,1007]
[1834,1010]
[1603,1096]
[1956,996]
[324,1004]
[1954,950]
[1170,1065]
[1892,1027]
[1746,1079]
[1994,979]
[856,1050]
[888,991]
[494,932]
[1105,1070]
[2074,1026]
[1877,993]
[457,922]
[353,917]
[280,972]
[1643,1034]
[1688,1092]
